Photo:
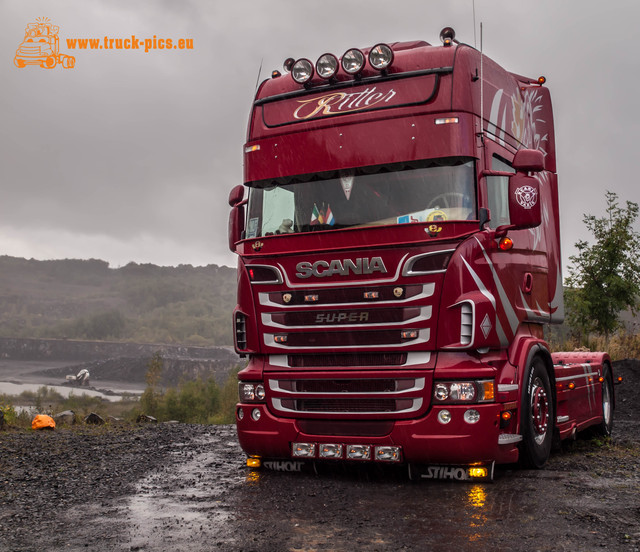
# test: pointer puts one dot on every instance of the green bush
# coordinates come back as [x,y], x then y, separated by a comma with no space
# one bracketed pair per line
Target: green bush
[8,411]
[195,402]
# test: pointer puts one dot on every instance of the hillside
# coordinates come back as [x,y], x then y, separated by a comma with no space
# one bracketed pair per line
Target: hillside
[85,299]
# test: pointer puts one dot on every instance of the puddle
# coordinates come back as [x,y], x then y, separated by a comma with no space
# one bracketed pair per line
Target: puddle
[185,500]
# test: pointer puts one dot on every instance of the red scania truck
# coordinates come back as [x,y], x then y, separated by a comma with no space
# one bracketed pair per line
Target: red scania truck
[398,256]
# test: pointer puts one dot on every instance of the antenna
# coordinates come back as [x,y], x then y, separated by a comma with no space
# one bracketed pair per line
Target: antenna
[475,44]
[259,71]
[481,89]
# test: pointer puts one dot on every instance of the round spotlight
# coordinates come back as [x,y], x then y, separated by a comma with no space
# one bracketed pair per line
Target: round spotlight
[326,66]
[353,61]
[472,416]
[302,71]
[288,64]
[444,416]
[447,35]
[380,57]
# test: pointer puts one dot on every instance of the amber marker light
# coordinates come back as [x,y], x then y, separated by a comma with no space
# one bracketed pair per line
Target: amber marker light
[505,244]
[572,385]
[478,472]
[506,415]
[447,120]
[253,462]
[488,390]
[542,80]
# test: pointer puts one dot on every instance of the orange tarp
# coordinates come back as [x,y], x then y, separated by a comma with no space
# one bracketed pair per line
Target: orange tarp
[43,422]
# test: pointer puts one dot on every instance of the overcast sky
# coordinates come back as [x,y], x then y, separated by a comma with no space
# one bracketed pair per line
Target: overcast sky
[130,156]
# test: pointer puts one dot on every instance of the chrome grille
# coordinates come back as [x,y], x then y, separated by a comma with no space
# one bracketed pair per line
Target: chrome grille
[370,395]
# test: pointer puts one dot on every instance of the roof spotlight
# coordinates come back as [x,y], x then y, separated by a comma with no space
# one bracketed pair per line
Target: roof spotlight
[380,57]
[447,36]
[353,61]
[326,66]
[302,71]
[288,64]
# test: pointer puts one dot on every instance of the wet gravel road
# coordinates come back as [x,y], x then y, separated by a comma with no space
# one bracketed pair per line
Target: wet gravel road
[182,487]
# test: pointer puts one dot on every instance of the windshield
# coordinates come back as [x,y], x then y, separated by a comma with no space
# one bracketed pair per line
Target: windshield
[434,190]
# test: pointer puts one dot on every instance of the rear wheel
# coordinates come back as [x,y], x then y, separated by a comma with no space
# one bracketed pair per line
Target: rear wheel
[604,428]
[537,415]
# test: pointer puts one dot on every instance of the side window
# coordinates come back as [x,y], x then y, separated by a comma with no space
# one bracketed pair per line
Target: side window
[498,193]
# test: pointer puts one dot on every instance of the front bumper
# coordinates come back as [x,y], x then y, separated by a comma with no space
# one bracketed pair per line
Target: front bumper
[423,440]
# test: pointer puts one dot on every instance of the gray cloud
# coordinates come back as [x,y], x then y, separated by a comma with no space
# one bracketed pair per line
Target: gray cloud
[131,155]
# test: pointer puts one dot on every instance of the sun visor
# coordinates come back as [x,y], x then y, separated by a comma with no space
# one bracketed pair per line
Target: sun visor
[279,111]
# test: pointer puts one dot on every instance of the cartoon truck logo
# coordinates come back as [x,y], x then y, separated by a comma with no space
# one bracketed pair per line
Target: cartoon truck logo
[41,47]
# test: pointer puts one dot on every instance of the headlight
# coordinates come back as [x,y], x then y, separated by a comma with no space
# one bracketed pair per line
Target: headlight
[302,71]
[462,391]
[445,392]
[380,57]
[353,61]
[326,66]
[251,392]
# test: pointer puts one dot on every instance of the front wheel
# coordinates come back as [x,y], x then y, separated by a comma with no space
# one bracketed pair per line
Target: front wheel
[537,416]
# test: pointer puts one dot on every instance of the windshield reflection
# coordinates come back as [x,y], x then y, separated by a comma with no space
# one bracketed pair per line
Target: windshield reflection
[435,190]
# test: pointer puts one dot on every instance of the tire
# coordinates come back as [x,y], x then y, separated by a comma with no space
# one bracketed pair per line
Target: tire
[50,62]
[537,416]
[19,62]
[606,425]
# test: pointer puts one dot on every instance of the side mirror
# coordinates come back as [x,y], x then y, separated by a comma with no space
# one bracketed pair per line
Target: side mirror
[236,195]
[236,226]
[528,160]
[236,216]
[524,202]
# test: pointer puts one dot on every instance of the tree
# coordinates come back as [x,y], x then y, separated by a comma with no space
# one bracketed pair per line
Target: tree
[150,399]
[604,279]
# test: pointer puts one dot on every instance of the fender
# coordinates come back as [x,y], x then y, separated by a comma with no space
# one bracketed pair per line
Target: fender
[596,358]
[522,352]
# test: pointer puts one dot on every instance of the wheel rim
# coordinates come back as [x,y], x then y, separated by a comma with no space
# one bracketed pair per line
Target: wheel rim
[539,411]
[606,403]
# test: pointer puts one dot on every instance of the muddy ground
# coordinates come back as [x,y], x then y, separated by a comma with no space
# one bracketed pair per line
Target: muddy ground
[181,487]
